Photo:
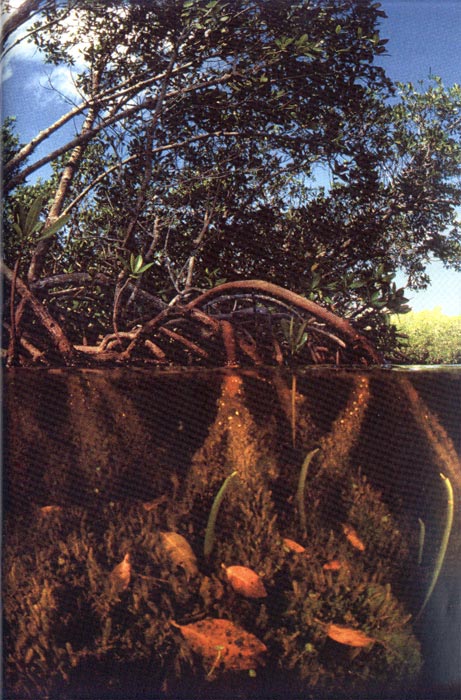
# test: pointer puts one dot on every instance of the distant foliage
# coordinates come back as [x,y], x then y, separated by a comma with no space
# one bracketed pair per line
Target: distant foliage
[430,337]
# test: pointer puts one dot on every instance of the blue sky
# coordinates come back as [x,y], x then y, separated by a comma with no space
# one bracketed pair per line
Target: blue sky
[424,37]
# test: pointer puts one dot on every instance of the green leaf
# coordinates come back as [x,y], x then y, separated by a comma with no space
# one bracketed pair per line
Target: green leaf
[135,263]
[54,227]
[18,229]
[33,216]
[144,268]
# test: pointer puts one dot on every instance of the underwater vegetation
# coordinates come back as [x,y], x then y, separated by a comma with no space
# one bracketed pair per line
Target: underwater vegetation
[129,598]
[271,569]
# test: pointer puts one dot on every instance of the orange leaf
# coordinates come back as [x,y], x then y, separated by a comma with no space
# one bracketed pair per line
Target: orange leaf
[349,636]
[333,565]
[222,643]
[293,546]
[120,575]
[353,538]
[245,581]
[50,509]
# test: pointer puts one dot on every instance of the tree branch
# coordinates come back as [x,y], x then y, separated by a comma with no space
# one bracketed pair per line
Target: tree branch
[53,329]
[340,324]
[83,138]
[102,99]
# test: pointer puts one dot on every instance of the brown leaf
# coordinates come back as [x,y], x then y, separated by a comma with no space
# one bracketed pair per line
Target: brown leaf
[120,575]
[180,552]
[353,538]
[293,546]
[245,581]
[222,643]
[349,636]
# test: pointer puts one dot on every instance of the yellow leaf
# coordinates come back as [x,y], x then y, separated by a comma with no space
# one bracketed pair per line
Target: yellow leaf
[180,552]
[120,575]
[349,636]
[353,538]
[223,644]
[245,581]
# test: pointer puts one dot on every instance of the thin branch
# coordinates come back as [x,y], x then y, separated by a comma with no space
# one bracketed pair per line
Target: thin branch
[130,159]
[83,138]
[149,153]
[102,99]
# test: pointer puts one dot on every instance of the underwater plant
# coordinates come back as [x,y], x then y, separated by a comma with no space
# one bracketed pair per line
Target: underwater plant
[210,527]
[443,544]
[421,540]
[301,487]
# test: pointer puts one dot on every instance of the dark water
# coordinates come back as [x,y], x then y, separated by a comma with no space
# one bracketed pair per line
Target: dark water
[90,438]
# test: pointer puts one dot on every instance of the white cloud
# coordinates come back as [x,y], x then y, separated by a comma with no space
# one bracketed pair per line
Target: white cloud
[61,80]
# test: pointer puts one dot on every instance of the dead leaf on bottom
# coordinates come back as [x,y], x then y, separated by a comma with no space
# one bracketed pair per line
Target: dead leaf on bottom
[180,552]
[245,581]
[293,546]
[50,509]
[353,538]
[334,565]
[222,643]
[349,636]
[120,575]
